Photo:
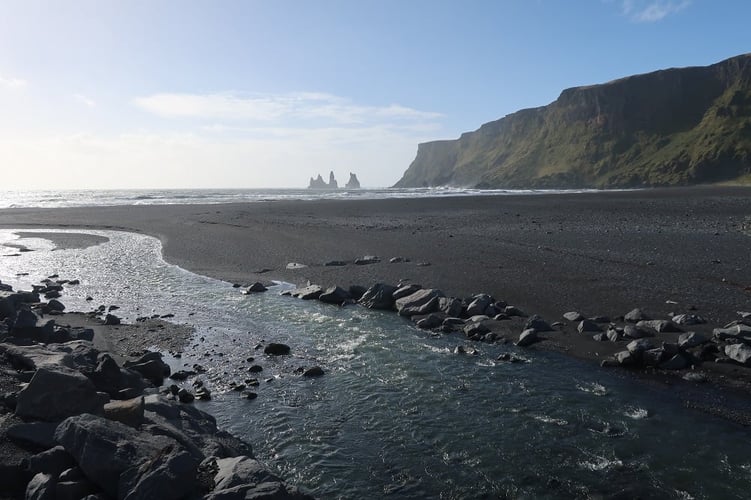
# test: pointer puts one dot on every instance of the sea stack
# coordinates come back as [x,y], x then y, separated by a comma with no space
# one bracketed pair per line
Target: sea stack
[332,181]
[352,183]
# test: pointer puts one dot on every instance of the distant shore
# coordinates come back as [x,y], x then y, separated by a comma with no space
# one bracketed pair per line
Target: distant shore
[602,253]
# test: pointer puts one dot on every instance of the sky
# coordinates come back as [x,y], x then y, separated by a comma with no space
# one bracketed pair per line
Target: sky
[105,94]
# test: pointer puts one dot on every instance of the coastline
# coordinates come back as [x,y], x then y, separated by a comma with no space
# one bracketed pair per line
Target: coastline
[602,254]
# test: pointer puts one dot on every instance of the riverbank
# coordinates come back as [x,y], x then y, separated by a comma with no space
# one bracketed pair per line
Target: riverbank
[666,251]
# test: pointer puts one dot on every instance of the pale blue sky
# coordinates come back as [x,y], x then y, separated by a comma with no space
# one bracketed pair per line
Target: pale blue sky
[153,93]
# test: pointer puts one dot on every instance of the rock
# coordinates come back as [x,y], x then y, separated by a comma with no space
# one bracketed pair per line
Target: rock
[677,362]
[735,332]
[659,325]
[691,339]
[405,290]
[25,319]
[105,449]
[151,367]
[653,357]
[527,337]
[185,396]
[599,337]
[600,319]
[274,349]
[450,306]
[335,295]
[367,259]
[695,377]
[55,305]
[688,319]
[635,315]
[35,434]
[310,292]
[514,311]
[315,371]
[588,326]
[613,335]
[255,369]
[634,332]
[479,304]
[379,296]
[295,265]
[740,353]
[170,475]
[128,412]
[111,319]
[397,260]
[353,182]
[335,263]
[41,487]
[55,393]
[433,320]
[475,329]
[182,374]
[625,358]
[538,324]
[256,287]
[423,301]
[573,316]
[53,461]
[240,471]
[357,291]
[639,345]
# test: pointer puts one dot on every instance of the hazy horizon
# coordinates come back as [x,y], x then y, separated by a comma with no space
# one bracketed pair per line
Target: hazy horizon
[246,94]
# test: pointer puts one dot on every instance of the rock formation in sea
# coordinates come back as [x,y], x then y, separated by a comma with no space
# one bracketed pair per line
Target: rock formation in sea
[319,183]
[670,127]
[352,183]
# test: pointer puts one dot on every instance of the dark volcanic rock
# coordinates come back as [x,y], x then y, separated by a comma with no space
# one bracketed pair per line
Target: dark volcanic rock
[315,371]
[335,295]
[310,292]
[367,259]
[256,287]
[528,337]
[379,296]
[423,301]
[275,349]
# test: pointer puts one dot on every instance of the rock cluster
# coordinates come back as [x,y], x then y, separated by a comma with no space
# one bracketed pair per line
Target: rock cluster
[95,429]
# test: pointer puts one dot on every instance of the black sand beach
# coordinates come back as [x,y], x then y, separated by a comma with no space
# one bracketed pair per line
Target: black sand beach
[604,253]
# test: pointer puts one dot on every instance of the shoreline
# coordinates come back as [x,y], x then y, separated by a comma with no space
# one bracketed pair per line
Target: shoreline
[603,253]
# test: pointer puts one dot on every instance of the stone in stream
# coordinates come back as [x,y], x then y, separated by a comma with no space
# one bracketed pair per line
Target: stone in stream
[475,329]
[315,371]
[423,301]
[275,349]
[310,292]
[528,337]
[55,305]
[405,290]
[625,358]
[433,320]
[335,295]
[379,296]
[256,287]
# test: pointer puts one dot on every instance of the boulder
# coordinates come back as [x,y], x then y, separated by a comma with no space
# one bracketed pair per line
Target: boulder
[310,292]
[55,393]
[450,306]
[128,412]
[653,357]
[676,362]
[55,305]
[639,345]
[151,367]
[39,435]
[378,296]
[239,471]
[105,449]
[691,339]
[367,259]
[658,325]
[688,319]
[256,287]
[111,319]
[479,304]
[475,329]
[53,461]
[423,301]
[41,487]
[740,353]
[405,290]
[588,326]
[538,324]
[635,315]
[514,311]
[315,371]
[433,320]
[25,319]
[613,335]
[625,358]
[274,349]
[357,291]
[528,337]
[169,475]
[335,295]
[573,316]
[634,332]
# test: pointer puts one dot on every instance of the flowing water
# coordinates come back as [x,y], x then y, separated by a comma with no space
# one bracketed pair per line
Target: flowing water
[397,414]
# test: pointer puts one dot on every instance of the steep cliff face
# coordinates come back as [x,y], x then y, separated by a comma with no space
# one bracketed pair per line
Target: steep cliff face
[670,127]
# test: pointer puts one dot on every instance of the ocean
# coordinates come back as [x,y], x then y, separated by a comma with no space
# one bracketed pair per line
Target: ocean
[94,198]
[398,414]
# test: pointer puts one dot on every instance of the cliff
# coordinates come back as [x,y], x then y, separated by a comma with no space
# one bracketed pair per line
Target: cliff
[670,127]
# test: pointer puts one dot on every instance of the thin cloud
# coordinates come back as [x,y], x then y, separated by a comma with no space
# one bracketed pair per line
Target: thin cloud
[271,108]
[651,11]
[84,100]
[12,83]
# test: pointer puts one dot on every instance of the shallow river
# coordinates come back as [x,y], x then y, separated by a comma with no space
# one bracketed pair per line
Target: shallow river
[398,414]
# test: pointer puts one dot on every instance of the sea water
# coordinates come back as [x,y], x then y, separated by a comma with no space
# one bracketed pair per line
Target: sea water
[397,413]
[95,198]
